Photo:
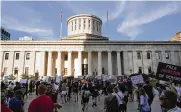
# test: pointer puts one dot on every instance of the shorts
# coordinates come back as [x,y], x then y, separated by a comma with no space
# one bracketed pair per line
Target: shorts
[64,92]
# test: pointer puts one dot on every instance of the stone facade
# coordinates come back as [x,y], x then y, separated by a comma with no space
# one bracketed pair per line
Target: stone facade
[86,54]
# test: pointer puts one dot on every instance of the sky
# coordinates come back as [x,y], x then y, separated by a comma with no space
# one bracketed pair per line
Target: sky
[127,20]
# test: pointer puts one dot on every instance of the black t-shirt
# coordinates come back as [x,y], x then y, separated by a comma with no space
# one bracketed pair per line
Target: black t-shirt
[148,89]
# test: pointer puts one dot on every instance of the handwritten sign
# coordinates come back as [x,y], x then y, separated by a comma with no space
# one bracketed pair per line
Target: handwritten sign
[137,79]
[168,72]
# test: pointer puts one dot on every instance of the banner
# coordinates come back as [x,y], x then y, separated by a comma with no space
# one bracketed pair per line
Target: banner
[168,72]
[137,79]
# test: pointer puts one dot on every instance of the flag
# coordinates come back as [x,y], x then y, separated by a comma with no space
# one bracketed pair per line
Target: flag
[61,15]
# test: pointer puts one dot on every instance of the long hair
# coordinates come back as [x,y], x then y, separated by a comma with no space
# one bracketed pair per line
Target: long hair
[142,92]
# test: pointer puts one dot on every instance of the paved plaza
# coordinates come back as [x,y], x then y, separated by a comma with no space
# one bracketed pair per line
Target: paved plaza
[72,106]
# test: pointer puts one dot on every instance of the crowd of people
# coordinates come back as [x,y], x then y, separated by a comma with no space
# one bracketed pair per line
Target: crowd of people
[116,95]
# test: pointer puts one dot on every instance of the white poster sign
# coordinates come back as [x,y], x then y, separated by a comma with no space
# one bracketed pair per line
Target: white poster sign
[137,79]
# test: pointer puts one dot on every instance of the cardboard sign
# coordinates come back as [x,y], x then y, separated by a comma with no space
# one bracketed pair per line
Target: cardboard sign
[137,79]
[168,72]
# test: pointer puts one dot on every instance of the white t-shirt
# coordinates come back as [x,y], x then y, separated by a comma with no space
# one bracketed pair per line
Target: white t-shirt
[119,96]
[178,92]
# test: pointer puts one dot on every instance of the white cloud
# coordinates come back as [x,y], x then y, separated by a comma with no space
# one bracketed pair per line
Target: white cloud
[134,19]
[114,9]
[31,22]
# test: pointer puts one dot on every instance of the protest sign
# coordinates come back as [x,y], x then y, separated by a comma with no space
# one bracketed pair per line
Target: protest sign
[168,72]
[23,81]
[137,79]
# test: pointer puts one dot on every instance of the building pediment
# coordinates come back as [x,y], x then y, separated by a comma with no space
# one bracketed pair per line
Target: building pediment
[84,36]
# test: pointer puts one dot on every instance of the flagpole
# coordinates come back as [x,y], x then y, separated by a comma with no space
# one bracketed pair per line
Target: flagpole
[60,28]
[61,24]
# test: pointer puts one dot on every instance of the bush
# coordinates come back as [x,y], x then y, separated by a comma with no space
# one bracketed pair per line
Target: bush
[24,76]
[11,77]
[31,77]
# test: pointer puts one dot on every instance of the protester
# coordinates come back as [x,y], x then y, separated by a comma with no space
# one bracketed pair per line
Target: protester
[144,105]
[119,96]
[75,91]
[85,98]
[64,93]
[149,91]
[95,93]
[31,87]
[110,101]
[16,104]
[168,101]
[4,107]
[42,103]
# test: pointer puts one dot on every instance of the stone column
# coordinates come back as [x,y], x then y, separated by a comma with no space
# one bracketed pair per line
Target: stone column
[69,63]
[42,73]
[180,57]
[173,57]
[59,64]
[11,61]
[89,63]
[80,63]
[49,73]
[125,65]
[154,61]
[100,63]
[145,62]
[163,56]
[1,60]
[109,63]
[135,62]
[118,63]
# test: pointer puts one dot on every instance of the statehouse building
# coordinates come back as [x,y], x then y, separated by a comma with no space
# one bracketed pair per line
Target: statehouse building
[85,52]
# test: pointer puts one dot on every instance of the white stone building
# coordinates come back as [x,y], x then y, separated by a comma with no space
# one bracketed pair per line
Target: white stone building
[85,51]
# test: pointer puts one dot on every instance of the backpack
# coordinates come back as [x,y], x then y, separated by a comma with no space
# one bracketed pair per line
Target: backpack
[86,94]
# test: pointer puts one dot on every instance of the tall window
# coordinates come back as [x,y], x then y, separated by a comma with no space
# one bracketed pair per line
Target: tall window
[6,56]
[158,55]
[148,55]
[167,55]
[27,56]
[5,70]
[75,24]
[72,26]
[84,23]
[93,24]
[89,23]
[140,70]
[97,26]
[26,70]
[17,56]
[139,55]
[16,70]
[55,70]
[149,69]
[79,23]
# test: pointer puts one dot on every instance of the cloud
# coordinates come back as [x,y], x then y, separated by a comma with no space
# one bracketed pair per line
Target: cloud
[114,9]
[31,22]
[135,19]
